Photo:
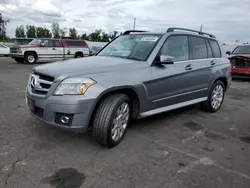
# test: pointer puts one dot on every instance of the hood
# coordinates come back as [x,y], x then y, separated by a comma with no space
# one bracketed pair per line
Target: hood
[14,46]
[27,46]
[239,55]
[88,66]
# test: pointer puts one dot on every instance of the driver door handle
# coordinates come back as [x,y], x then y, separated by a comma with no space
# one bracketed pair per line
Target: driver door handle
[212,62]
[188,67]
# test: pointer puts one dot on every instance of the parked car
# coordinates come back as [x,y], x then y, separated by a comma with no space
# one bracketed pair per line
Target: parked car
[136,75]
[240,61]
[4,50]
[94,50]
[44,49]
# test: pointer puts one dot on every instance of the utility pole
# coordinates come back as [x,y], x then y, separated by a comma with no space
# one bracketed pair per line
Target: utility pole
[134,23]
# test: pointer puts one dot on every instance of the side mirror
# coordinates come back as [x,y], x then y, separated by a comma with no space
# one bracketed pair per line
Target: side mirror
[42,44]
[228,52]
[166,60]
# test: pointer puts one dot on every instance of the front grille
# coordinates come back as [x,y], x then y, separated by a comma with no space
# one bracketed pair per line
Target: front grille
[239,62]
[13,50]
[58,119]
[40,83]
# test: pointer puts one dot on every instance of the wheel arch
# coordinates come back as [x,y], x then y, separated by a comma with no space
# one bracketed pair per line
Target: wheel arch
[31,51]
[130,91]
[223,79]
[79,52]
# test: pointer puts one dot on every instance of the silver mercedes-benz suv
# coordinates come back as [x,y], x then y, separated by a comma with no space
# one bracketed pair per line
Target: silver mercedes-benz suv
[136,75]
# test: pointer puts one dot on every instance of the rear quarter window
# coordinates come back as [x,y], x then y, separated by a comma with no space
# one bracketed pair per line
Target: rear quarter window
[215,48]
[209,50]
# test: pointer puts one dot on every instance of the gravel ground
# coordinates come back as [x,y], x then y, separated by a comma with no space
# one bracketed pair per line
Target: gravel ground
[185,148]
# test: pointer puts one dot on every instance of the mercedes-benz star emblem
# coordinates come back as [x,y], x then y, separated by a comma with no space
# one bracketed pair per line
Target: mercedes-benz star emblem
[34,81]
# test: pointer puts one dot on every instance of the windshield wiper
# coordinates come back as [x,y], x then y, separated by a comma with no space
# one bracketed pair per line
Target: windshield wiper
[134,58]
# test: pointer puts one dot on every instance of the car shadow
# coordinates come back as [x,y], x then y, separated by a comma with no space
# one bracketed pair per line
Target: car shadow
[243,79]
[64,137]
[159,119]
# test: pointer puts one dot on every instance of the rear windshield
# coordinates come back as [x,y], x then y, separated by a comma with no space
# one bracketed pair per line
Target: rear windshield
[241,50]
[137,47]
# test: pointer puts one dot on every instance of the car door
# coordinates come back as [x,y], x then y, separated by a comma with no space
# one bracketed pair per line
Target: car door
[172,84]
[59,54]
[3,50]
[47,49]
[201,59]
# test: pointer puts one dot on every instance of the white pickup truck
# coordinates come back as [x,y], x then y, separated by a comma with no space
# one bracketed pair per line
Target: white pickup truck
[49,49]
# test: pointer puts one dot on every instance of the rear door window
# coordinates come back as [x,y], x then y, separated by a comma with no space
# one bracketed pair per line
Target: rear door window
[48,43]
[57,43]
[215,48]
[198,47]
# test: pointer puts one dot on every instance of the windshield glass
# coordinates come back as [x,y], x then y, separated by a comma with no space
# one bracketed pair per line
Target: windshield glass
[35,42]
[242,50]
[136,47]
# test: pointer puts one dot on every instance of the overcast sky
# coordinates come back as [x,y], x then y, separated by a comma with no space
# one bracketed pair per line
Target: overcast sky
[227,19]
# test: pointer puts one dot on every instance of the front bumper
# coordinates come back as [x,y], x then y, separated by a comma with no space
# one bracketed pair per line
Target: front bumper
[52,108]
[16,55]
[240,72]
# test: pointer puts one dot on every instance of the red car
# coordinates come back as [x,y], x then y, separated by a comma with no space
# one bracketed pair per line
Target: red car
[240,61]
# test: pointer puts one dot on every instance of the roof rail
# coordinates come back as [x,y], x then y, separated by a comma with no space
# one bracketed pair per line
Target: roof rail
[133,31]
[67,38]
[172,29]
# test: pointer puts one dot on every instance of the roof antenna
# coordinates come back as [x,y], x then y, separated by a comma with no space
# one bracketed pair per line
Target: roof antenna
[134,24]
[201,28]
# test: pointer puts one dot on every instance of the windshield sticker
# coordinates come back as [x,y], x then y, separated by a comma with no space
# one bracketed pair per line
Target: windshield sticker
[149,39]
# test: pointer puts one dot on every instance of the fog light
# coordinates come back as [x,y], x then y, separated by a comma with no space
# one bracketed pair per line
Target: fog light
[65,119]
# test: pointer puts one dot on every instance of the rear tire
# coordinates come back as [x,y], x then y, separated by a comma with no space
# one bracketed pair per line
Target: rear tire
[111,120]
[215,97]
[30,58]
[79,55]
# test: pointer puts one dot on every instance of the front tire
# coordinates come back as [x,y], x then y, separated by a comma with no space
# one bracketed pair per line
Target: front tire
[215,97]
[111,120]
[30,58]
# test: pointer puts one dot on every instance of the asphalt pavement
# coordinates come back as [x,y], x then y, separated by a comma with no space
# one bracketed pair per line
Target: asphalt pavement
[185,148]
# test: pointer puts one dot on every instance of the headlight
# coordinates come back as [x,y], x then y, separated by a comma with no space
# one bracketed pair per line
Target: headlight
[74,86]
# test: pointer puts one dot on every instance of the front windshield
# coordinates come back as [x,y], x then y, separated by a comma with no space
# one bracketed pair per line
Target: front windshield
[35,42]
[242,50]
[136,47]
